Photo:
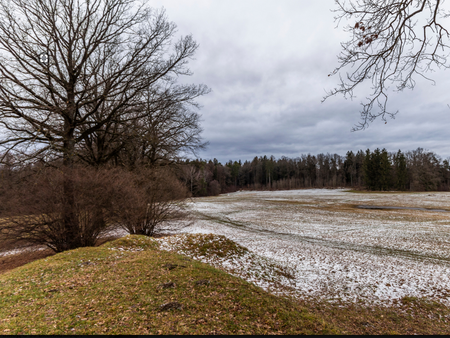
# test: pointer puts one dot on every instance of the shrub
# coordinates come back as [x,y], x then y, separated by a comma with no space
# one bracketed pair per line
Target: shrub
[152,197]
[34,206]
[214,188]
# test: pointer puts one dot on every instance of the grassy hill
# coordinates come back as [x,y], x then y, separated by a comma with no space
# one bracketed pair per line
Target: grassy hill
[129,286]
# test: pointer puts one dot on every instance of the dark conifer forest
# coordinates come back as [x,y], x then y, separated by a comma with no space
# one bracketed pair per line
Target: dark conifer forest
[378,170]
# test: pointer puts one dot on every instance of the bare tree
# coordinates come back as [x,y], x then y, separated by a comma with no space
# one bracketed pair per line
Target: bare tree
[167,125]
[69,68]
[190,175]
[168,129]
[392,43]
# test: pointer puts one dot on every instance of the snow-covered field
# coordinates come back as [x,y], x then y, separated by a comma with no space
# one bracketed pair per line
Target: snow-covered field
[334,250]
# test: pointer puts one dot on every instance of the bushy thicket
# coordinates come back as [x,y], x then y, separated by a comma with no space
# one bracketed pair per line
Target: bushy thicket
[32,203]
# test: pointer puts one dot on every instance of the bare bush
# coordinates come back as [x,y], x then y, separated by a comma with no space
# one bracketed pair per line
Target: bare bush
[152,197]
[34,207]
[214,188]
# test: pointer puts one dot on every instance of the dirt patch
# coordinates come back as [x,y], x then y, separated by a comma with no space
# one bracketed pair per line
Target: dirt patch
[13,261]
[410,213]
[10,245]
[380,207]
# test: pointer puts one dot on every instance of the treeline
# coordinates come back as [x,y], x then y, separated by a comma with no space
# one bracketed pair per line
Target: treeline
[416,170]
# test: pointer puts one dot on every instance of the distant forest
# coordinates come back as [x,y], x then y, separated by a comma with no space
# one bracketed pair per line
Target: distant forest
[379,170]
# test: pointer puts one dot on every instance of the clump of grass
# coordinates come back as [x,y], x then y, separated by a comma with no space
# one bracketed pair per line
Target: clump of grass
[233,258]
[207,245]
[98,290]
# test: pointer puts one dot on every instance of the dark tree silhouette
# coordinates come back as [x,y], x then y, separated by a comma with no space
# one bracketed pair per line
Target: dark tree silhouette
[70,69]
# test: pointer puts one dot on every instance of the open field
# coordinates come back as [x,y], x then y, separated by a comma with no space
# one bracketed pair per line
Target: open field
[315,244]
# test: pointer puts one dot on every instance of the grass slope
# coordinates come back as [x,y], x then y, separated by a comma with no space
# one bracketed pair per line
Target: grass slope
[129,286]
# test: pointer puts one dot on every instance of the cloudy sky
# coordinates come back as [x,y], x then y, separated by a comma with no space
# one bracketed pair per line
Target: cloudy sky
[267,64]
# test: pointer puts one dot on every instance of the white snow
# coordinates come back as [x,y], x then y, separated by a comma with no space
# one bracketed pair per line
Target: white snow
[334,250]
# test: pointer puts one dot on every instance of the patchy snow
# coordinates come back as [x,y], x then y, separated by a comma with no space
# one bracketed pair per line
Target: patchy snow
[254,268]
[114,232]
[23,250]
[317,244]
[334,250]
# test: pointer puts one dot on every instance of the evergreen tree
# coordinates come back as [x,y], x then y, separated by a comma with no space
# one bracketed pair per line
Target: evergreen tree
[445,174]
[375,162]
[234,171]
[349,167]
[311,170]
[384,175]
[376,169]
[359,171]
[401,175]
[368,170]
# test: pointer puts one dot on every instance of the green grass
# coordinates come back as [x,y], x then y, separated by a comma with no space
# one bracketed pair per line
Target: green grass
[121,287]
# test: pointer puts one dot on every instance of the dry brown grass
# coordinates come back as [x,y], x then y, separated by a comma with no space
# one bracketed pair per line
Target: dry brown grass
[407,317]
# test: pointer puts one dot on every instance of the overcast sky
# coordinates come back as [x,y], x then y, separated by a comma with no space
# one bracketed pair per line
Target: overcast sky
[267,64]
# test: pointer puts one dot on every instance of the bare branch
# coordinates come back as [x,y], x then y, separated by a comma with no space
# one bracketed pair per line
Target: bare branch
[392,42]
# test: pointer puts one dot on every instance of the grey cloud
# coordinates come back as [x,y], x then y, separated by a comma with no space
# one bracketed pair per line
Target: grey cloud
[267,64]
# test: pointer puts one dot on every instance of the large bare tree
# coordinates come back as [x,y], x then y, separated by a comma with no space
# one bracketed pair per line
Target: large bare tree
[168,126]
[68,68]
[393,42]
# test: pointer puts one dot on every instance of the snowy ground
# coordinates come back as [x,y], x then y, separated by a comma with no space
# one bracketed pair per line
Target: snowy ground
[334,250]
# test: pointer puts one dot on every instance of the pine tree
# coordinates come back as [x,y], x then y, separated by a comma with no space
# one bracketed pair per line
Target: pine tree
[349,167]
[359,171]
[384,177]
[376,169]
[368,170]
[400,171]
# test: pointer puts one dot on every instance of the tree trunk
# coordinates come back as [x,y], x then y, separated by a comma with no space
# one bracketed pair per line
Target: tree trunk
[69,216]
